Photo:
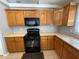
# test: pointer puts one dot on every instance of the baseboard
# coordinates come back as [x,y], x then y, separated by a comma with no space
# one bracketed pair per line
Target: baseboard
[6,54]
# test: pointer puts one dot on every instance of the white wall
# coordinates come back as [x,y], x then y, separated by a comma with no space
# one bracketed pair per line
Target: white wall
[3,20]
[42,28]
[3,26]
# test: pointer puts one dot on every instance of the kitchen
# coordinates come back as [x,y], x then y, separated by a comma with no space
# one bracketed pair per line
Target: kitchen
[52,29]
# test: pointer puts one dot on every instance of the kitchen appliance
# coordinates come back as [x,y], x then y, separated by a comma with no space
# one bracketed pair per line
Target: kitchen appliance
[32,21]
[32,40]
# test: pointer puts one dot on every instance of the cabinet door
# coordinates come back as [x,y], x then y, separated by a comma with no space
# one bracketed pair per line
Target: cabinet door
[72,15]
[31,13]
[65,15]
[11,17]
[58,46]
[19,18]
[42,15]
[49,17]
[69,14]
[10,44]
[19,42]
[58,16]
[50,42]
[67,54]
[44,43]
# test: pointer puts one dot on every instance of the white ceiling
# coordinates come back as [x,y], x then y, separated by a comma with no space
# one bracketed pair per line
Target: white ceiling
[36,3]
[58,2]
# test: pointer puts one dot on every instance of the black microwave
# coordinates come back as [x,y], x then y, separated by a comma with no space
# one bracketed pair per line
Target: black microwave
[32,21]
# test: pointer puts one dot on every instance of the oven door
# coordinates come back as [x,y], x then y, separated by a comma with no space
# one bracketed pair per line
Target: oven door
[32,43]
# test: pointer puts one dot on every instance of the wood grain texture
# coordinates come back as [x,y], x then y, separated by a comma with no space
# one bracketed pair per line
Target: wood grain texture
[19,42]
[10,41]
[44,43]
[19,18]
[11,18]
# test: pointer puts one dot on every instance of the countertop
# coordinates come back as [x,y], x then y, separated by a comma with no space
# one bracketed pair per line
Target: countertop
[22,34]
[74,42]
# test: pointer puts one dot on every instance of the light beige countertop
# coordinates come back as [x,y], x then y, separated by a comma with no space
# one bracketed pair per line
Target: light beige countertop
[74,42]
[15,34]
[22,34]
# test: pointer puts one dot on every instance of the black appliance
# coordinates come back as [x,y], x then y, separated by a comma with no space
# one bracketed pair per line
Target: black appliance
[32,21]
[32,40]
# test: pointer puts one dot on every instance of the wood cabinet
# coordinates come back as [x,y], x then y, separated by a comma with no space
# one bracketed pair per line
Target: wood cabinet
[50,42]
[64,50]
[68,55]
[19,42]
[65,16]
[58,46]
[46,17]
[69,52]
[42,15]
[43,42]
[50,17]
[10,44]
[58,16]
[15,17]
[69,14]
[47,42]
[15,44]
[31,13]
[11,18]
[19,18]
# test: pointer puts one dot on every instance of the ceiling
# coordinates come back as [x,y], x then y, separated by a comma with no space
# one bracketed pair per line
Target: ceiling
[56,2]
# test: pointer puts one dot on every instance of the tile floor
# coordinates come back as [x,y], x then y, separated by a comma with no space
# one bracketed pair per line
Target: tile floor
[48,54]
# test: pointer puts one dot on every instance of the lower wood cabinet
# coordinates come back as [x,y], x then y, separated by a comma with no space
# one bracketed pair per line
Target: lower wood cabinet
[50,42]
[19,42]
[44,42]
[69,52]
[10,44]
[68,55]
[15,44]
[58,46]
[47,42]
[64,50]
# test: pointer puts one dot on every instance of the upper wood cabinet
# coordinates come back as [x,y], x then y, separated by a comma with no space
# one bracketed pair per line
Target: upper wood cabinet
[31,13]
[58,16]
[11,17]
[50,17]
[19,18]
[15,17]
[69,14]
[46,17]
[42,15]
